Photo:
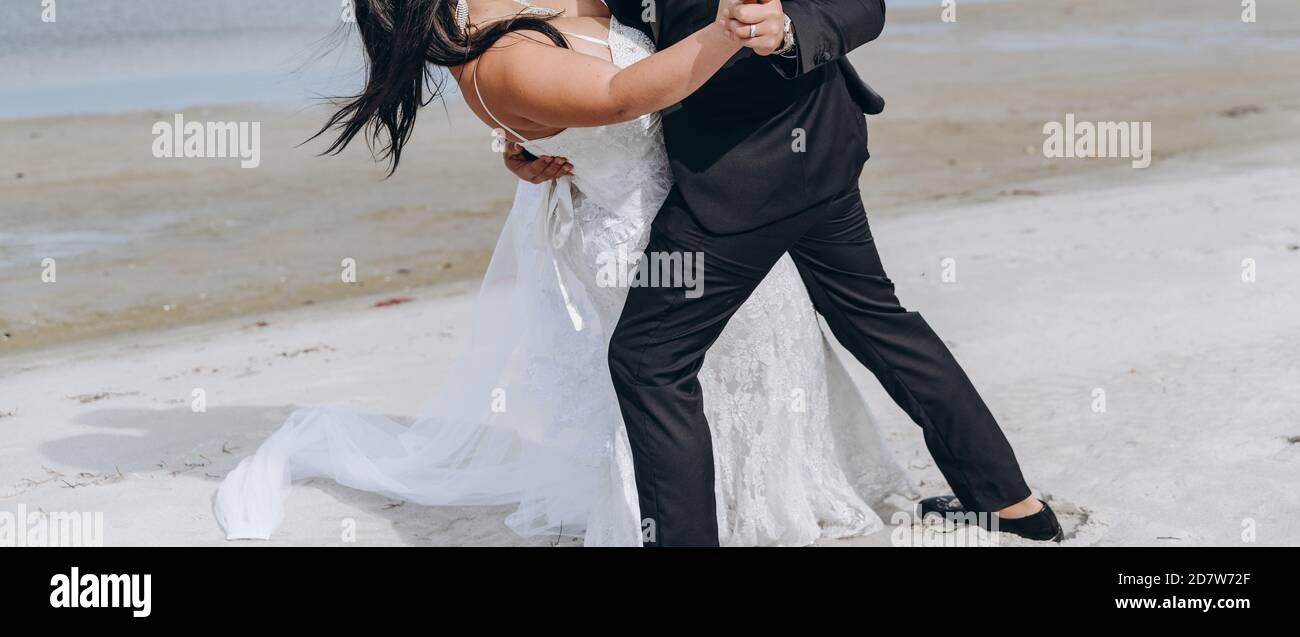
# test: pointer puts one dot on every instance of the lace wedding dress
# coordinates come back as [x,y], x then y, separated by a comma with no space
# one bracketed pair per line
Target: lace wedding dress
[531,416]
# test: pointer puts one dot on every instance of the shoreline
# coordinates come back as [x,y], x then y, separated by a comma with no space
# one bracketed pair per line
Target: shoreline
[397,278]
[396,290]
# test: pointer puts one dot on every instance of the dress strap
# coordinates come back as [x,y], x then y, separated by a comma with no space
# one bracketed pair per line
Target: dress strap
[483,102]
[587,38]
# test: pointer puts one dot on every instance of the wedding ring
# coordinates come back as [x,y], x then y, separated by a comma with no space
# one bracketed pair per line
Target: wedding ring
[753,30]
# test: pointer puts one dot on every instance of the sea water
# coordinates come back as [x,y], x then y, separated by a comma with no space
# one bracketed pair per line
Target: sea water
[125,55]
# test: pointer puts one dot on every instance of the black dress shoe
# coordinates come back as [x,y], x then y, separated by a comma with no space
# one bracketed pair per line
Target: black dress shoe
[1042,526]
[940,505]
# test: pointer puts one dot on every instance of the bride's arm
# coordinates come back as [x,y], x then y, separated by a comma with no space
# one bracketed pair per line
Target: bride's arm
[554,87]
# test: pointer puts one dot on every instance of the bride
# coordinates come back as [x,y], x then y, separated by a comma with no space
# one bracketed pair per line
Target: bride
[531,416]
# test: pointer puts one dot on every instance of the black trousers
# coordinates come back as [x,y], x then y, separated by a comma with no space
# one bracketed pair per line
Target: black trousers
[658,347]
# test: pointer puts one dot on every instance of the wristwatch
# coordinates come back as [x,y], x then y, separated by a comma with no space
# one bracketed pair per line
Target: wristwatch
[787,49]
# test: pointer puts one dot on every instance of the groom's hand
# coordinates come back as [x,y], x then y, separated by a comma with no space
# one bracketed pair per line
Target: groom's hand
[534,170]
[768,22]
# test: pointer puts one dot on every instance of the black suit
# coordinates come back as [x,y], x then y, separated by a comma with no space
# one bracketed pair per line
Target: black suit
[766,157]
[727,141]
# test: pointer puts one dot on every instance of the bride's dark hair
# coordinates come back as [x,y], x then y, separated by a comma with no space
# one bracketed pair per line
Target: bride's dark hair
[401,39]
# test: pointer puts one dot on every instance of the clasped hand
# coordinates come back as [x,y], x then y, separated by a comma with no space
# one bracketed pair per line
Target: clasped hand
[758,24]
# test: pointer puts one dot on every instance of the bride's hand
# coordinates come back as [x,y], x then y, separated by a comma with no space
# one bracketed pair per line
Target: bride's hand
[535,170]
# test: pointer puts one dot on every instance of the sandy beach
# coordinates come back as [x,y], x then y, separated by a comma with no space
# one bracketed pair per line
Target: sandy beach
[1073,277]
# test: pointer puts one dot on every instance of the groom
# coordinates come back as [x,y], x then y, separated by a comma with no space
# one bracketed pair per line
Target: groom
[766,157]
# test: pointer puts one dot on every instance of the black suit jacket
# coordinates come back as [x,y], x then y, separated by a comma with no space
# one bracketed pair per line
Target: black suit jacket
[768,137]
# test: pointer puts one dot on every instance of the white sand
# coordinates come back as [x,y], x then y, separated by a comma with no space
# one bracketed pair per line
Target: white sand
[1135,290]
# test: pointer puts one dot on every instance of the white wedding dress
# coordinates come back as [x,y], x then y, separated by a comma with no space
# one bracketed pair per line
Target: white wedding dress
[531,417]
